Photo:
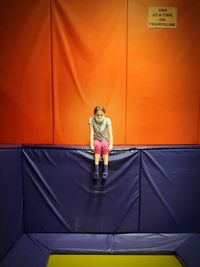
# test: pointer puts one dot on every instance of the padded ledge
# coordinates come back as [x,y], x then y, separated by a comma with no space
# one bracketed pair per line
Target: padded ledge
[110,243]
[115,148]
[6,147]
[33,249]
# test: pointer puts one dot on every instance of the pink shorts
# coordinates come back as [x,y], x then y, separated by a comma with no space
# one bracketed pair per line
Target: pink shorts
[101,146]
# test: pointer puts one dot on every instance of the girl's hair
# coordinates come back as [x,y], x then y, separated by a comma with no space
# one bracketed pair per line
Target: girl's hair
[99,108]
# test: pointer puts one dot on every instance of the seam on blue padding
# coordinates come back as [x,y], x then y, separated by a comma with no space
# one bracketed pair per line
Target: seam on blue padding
[10,248]
[36,242]
[139,198]
[23,189]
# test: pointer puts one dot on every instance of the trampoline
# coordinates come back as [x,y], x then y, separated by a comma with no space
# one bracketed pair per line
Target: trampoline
[113,261]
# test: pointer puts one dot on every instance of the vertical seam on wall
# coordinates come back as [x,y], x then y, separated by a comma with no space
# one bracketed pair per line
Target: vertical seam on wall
[23,190]
[51,70]
[126,75]
[139,197]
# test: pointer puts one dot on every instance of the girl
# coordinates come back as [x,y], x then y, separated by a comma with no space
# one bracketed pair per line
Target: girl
[101,139]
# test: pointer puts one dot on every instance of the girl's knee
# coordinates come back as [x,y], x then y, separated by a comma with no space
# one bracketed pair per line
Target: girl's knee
[97,147]
[104,145]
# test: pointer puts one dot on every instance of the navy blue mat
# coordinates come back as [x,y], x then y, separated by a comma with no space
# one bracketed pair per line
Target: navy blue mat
[49,190]
[34,249]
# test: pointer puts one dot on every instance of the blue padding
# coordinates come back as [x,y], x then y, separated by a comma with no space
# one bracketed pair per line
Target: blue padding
[33,249]
[116,149]
[74,243]
[170,190]
[11,225]
[189,251]
[26,253]
[108,243]
[59,188]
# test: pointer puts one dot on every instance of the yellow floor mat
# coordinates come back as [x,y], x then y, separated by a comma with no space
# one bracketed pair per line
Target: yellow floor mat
[113,261]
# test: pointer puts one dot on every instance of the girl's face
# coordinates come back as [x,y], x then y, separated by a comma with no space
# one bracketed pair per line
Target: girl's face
[99,116]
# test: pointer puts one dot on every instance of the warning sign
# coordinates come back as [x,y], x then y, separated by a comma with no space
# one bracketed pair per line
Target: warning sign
[162,17]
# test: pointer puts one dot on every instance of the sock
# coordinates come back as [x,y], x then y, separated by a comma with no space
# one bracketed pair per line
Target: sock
[96,171]
[106,168]
[105,172]
[96,168]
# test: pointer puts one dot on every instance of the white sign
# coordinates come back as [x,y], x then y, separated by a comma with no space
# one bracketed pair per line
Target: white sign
[162,17]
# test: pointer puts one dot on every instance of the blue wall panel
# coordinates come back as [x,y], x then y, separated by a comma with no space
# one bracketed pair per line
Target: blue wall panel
[170,190]
[60,195]
[11,197]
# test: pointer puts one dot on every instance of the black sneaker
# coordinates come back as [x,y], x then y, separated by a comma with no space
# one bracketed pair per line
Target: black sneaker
[105,176]
[96,175]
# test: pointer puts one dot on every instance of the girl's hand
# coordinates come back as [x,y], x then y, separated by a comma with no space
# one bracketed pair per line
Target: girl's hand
[110,147]
[92,147]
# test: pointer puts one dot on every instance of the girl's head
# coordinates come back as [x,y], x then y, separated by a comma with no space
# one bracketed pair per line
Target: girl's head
[99,114]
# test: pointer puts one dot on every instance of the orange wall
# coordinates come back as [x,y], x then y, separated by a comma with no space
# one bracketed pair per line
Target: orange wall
[89,52]
[59,59]
[163,70]
[25,76]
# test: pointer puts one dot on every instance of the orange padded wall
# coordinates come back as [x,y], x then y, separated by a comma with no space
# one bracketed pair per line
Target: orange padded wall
[89,66]
[59,59]
[25,72]
[163,69]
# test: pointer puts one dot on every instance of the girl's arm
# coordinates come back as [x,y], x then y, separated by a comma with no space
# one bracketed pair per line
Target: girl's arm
[110,134]
[91,137]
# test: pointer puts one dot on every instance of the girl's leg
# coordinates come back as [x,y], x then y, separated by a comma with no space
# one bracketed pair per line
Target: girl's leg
[96,159]
[105,153]
[97,152]
[105,159]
